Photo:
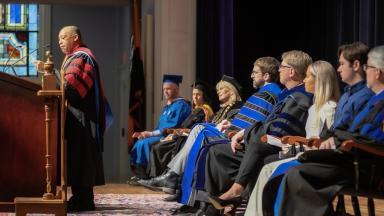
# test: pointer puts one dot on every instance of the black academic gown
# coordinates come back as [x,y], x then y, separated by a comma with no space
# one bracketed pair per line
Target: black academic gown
[223,167]
[308,189]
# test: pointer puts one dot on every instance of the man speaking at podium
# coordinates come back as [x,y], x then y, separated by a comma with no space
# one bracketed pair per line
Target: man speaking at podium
[87,117]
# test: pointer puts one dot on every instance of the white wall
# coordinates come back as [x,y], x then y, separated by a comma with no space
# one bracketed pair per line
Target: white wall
[175,45]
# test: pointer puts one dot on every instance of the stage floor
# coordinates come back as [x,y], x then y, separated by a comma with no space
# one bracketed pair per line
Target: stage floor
[129,189]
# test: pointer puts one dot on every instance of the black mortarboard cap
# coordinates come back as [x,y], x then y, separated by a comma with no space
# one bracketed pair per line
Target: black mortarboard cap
[200,85]
[233,82]
[172,78]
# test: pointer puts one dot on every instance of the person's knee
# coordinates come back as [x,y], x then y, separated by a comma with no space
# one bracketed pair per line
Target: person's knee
[197,129]
[291,172]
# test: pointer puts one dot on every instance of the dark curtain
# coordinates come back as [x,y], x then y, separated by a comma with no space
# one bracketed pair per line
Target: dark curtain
[214,40]
[268,28]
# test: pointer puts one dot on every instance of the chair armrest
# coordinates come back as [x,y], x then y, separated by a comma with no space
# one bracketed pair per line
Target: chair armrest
[299,140]
[264,138]
[349,144]
[177,131]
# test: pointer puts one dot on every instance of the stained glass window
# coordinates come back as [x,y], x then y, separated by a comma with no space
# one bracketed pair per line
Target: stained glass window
[18,38]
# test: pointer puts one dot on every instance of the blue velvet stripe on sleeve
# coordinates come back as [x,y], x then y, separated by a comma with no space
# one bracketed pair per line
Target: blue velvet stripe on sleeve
[374,128]
[257,107]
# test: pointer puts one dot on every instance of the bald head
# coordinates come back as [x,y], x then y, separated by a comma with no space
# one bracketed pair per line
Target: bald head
[69,39]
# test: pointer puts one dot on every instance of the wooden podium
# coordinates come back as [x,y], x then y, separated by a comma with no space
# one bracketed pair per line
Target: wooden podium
[34,142]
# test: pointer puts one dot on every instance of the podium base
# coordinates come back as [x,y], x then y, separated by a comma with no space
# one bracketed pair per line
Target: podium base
[24,205]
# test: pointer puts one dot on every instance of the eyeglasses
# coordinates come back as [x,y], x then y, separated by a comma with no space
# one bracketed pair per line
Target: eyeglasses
[257,72]
[365,67]
[284,66]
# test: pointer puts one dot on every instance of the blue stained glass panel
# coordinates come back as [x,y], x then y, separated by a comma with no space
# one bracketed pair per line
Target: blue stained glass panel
[19,71]
[32,16]
[19,43]
[33,50]
[15,15]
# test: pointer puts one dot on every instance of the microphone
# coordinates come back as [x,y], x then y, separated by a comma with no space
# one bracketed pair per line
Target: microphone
[30,53]
[9,57]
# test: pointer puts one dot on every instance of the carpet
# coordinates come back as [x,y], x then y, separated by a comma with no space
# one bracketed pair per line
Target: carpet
[125,204]
[132,204]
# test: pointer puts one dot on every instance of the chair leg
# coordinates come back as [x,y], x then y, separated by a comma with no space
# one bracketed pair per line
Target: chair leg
[371,207]
[340,207]
[355,205]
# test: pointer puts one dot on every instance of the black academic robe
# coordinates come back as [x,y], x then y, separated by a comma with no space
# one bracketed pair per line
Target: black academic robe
[85,119]
[308,189]
[223,167]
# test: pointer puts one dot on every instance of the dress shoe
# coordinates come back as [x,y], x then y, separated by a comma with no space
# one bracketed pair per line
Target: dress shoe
[75,204]
[185,209]
[221,204]
[173,197]
[202,208]
[133,181]
[167,182]
[209,211]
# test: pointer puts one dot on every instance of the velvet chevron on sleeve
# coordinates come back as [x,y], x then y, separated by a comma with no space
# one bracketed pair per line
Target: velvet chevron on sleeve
[88,116]
[256,108]
[292,117]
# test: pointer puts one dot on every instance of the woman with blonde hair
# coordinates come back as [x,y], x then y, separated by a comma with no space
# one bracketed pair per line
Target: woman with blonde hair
[228,92]
[321,80]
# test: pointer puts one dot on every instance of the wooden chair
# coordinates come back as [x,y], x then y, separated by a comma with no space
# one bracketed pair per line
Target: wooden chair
[355,192]
[177,131]
[297,143]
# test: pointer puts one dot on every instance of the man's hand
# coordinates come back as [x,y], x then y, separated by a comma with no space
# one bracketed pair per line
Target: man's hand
[223,125]
[235,141]
[168,138]
[39,66]
[328,144]
[142,135]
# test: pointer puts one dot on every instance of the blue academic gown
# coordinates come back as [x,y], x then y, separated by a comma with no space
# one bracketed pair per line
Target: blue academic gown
[171,116]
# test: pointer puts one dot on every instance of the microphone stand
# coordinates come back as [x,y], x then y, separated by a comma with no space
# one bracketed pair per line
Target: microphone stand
[13,64]
[5,68]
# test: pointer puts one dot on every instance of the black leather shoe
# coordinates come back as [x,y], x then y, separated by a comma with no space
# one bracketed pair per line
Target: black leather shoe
[184,209]
[75,204]
[210,211]
[221,204]
[202,208]
[167,182]
[174,197]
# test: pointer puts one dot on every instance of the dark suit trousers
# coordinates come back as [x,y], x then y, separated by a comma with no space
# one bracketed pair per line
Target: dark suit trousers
[223,167]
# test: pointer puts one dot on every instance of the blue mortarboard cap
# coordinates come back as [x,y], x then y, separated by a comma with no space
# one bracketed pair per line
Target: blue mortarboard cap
[172,78]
